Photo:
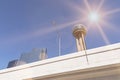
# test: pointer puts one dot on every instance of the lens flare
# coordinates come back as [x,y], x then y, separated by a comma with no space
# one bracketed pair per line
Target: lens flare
[88,16]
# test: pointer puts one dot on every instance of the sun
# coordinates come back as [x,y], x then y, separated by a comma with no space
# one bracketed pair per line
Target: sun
[94,17]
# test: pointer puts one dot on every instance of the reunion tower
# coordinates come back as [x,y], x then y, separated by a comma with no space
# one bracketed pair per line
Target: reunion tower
[79,33]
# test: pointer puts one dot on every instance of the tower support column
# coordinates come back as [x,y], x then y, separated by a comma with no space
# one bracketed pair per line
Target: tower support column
[79,33]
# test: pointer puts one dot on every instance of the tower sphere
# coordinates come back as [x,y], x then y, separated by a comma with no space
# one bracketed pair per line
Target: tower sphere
[78,30]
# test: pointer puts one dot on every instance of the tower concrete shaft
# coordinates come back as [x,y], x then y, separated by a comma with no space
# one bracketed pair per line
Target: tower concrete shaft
[79,33]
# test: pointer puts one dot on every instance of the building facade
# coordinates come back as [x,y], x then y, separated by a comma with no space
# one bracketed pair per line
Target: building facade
[33,56]
[12,63]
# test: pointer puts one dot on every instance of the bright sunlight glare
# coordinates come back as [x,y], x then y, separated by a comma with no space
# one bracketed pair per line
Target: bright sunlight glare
[94,17]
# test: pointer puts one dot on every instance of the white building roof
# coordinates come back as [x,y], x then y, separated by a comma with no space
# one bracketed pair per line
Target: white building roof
[103,62]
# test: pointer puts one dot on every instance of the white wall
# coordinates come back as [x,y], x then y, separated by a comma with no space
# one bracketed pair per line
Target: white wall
[99,57]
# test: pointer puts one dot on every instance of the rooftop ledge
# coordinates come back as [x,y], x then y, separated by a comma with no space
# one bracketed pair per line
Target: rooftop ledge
[101,60]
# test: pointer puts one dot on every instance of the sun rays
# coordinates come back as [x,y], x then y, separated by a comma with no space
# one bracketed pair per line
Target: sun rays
[103,34]
[96,18]
[91,16]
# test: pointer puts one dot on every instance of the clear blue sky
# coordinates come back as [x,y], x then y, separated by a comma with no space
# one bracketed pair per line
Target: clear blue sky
[27,24]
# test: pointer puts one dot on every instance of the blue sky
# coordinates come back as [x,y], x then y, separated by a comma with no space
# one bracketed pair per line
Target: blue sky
[28,24]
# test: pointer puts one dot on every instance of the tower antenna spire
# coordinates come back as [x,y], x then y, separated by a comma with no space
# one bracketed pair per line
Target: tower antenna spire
[59,39]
